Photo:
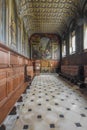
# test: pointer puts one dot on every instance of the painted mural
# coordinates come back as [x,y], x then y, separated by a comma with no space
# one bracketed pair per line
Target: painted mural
[3,20]
[45,46]
[13,25]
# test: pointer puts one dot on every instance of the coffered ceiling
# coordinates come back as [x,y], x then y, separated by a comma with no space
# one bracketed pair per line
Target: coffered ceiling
[47,16]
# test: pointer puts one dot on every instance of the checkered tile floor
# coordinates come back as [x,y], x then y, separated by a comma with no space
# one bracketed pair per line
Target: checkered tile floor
[50,104]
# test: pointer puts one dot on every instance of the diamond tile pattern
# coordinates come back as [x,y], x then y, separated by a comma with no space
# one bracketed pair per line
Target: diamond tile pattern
[69,114]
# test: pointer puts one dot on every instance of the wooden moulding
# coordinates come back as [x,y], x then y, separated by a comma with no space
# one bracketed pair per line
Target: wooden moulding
[4,58]
[9,57]
[12,79]
[8,105]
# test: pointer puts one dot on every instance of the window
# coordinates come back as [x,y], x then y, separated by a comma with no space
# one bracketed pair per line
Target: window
[72,43]
[64,49]
[85,36]
[3,21]
[19,36]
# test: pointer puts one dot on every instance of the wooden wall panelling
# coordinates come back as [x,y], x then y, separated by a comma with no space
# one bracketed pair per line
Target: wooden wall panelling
[12,80]
[16,71]
[71,70]
[21,60]
[10,76]
[75,59]
[21,79]
[3,85]
[30,71]
[26,61]
[13,59]
[29,62]
[4,58]
[8,105]
[49,65]
[15,79]
[85,70]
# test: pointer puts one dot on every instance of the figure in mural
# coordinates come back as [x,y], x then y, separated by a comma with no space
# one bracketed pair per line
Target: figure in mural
[45,48]
[48,54]
[36,52]
[13,32]
[13,25]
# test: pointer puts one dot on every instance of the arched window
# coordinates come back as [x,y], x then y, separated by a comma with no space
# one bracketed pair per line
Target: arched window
[64,49]
[3,21]
[85,36]
[72,42]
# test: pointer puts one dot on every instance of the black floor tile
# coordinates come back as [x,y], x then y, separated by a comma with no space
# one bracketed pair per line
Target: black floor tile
[39,116]
[52,125]
[61,116]
[25,127]
[77,99]
[73,103]
[49,109]
[62,99]
[73,90]
[70,93]
[56,104]
[78,124]
[32,100]
[47,100]
[39,104]
[80,96]
[29,109]
[83,115]
[68,109]
[17,117]
[77,89]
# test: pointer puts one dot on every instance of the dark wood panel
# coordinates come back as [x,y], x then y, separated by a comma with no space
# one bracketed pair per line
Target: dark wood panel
[12,78]
[21,60]
[26,62]
[3,90]
[75,59]
[8,105]
[10,86]
[4,57]
[30,71]
[13,59]
[69,69]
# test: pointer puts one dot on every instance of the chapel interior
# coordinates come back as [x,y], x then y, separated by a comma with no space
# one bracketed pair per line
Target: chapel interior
[43,64]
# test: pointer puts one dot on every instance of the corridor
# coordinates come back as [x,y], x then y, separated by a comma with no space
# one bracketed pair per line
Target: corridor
[50,104]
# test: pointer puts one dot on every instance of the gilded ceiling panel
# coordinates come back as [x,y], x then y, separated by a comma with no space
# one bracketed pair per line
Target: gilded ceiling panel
[47,16]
